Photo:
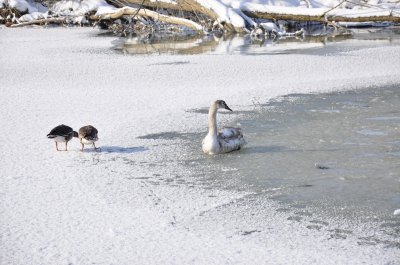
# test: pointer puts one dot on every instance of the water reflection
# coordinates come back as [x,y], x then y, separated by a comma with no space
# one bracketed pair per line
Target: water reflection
[247,45]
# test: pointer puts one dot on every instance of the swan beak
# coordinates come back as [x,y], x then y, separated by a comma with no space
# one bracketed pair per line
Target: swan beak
[228,108]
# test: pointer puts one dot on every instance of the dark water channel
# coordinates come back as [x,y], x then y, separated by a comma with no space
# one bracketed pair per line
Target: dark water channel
[316,41]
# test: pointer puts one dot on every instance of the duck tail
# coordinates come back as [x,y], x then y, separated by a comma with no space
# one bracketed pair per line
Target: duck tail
[76,134]
[50,136]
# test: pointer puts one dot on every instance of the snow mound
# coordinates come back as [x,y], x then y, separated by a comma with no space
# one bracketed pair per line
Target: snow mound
[78,8]
[24,6]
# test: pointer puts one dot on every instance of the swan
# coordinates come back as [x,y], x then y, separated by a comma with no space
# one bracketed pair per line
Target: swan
[88,135]
[62,133]
[227,139]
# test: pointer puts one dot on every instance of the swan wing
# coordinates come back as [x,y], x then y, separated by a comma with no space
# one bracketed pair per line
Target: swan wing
[230,132]
[231,139]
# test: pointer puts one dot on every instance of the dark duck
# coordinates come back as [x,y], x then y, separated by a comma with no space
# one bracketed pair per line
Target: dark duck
[88,135]
[62,134]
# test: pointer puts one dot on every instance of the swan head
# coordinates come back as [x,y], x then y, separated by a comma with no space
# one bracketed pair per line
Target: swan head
[222,105]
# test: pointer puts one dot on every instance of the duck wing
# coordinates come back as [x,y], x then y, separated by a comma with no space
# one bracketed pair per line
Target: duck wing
[60,130]
[88,132]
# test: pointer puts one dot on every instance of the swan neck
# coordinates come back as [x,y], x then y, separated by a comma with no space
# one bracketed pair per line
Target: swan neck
[212,120]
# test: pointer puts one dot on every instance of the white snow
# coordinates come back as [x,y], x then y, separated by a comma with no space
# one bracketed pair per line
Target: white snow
[225,13]
[105,10]
[32,16]
[76,7]
[24,6]
[21,5]
[108,207]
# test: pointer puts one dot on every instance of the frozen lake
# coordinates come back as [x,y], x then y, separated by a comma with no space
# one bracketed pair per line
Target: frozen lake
[319,177]
[335,156]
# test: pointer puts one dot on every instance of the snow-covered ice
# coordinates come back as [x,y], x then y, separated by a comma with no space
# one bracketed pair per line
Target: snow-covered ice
[134,203]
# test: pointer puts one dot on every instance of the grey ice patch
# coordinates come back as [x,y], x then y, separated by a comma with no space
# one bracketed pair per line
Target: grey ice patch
[321,166]
[385,118]
[326,111]
[314,227]
[167,136]
[123,150]
[245,233]
[369,132]
[171,63]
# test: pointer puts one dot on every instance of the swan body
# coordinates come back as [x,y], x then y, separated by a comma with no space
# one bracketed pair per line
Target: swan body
[225,140]
[88,135]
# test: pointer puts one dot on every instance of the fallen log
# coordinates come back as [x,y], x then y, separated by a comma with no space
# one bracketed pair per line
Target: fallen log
[131,11]
[189,6]
[320,14]
[325,15]
[40,22]
[184,5]
[320,18]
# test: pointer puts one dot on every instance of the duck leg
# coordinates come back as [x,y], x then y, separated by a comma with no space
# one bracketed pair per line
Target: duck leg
[56,146]
[96,148]
[82,147]
[66,146]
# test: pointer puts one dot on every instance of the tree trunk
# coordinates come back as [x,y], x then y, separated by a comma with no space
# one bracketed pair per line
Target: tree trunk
[40,21]
[148,13]
[327,15]
[323,16]
[185,5]
[188,6]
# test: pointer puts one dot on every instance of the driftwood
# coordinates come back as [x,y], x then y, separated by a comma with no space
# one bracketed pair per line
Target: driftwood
[184,5]
[40,21]
[328,16]
[265,12]
[325,16]
[130,11]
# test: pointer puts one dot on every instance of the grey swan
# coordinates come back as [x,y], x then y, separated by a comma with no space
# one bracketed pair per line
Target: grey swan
[226,139]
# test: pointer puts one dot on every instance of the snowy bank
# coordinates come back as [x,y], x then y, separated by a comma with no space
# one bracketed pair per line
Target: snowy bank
[226,14]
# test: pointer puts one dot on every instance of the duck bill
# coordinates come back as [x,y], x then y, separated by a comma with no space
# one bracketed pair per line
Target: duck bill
[228,108]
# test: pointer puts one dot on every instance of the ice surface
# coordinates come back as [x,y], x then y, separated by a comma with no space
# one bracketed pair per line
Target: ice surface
[141,201]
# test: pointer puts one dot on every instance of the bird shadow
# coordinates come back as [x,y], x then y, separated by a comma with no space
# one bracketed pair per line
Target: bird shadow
[118,149]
